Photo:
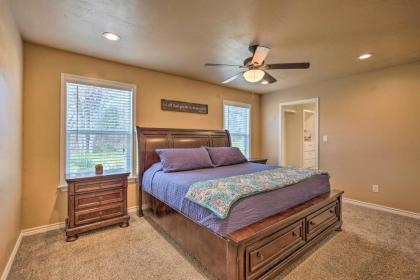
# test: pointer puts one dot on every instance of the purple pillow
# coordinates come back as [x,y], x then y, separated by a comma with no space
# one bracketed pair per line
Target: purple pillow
[225,155]
[184,159]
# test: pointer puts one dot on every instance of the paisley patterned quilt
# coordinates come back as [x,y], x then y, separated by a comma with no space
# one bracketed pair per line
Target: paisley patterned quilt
[218,195]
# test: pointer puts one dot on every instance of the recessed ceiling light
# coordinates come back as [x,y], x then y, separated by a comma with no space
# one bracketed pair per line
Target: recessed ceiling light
[365,56]
[264,82]
[111,36]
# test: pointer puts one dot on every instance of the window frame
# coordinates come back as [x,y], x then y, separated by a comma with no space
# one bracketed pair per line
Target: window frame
[65,78]
[243,105]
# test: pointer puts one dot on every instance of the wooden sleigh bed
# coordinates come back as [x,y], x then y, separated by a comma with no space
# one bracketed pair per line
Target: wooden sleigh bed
[258,251]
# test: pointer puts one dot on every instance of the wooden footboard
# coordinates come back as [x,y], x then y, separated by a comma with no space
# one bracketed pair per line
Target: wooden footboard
[258,251]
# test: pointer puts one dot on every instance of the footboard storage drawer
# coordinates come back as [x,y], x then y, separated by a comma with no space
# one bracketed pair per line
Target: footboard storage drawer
[271,250]
[321,219]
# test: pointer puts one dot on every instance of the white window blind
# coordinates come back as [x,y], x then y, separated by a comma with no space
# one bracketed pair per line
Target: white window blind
[236,119]
[99,127]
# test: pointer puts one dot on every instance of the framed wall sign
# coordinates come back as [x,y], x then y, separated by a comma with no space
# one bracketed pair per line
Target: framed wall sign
[186,107]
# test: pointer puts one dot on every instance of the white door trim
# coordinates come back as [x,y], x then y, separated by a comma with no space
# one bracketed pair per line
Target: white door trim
[281,126]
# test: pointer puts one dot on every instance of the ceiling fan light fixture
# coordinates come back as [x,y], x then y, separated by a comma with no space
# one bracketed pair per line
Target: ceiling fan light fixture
[254,68]
[253,75]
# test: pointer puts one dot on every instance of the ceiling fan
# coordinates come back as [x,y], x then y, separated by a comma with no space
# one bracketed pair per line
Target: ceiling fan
[255,69]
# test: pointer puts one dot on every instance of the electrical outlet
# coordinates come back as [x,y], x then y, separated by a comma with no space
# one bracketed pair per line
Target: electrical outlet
[375,188]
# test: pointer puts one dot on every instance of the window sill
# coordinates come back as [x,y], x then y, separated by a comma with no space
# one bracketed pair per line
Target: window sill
[64,187]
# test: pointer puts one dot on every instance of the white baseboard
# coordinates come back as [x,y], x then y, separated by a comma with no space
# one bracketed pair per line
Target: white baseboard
[383,208]
[12,257]
[41,229]
[131,210]
[134,209]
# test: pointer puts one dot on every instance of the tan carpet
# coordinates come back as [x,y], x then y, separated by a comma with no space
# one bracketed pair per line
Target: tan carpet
[372,245]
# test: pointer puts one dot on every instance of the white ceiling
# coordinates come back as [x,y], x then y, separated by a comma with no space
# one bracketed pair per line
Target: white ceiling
[179,36]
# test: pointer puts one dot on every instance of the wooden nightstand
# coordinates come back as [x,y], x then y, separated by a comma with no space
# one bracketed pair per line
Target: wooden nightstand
[258,160]
[96,201]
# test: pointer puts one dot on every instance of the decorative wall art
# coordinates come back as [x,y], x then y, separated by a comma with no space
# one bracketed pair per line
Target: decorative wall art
[186,107]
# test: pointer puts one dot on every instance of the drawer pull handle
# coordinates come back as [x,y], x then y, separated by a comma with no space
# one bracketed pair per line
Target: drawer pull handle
[332,211]
[100,213]
[312,223]
[293,233]
[101,198]
[259,255]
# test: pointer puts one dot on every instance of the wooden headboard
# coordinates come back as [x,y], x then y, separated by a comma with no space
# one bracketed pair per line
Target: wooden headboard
[150,139]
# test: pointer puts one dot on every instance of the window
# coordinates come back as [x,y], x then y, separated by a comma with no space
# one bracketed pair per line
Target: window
[97,126]
[236,119]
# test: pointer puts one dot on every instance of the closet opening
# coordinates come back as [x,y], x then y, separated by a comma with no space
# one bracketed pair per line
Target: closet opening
[299,133]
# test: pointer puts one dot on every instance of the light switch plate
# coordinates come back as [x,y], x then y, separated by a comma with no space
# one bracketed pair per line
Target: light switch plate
[325,138]
[375,188]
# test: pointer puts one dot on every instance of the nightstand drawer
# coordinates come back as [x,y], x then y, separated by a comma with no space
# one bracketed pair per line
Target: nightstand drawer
[82,201]
[88,186]
[98,214]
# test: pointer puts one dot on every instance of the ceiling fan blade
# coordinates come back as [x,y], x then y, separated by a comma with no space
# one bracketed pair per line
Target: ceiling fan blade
[302,65]
[260,55]
[232,78]
[270,79]
[220,64]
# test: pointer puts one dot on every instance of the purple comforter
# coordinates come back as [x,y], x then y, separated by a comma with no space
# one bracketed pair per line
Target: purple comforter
[172,187]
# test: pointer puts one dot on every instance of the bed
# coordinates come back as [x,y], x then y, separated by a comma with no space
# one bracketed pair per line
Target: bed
[262,234]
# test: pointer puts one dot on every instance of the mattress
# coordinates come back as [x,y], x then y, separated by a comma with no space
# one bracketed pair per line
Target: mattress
[171,188]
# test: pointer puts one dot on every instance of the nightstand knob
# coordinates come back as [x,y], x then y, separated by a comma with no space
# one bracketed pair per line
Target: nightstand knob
[100,213]
[101,198]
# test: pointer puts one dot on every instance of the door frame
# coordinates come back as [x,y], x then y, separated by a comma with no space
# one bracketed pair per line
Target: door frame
[282,125]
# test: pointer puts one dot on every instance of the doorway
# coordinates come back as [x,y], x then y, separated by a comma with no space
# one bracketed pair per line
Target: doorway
[299,133]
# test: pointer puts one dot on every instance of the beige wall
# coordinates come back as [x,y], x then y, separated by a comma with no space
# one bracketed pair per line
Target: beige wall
[373,125]
[43,203]
[11,132]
